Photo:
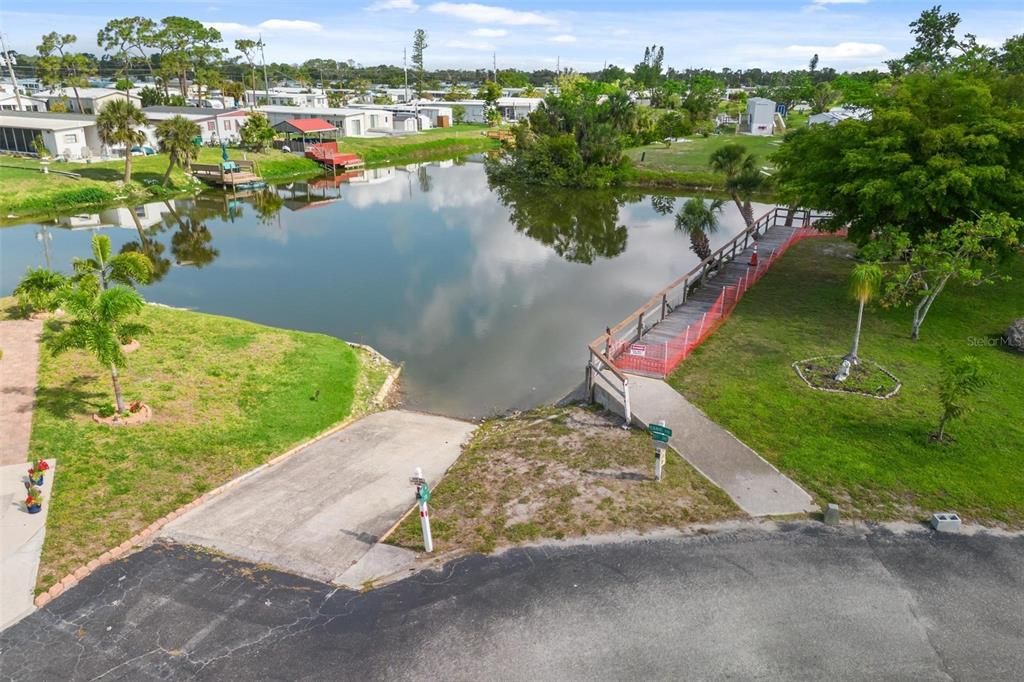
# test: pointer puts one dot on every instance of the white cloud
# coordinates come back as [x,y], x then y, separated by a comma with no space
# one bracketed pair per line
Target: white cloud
[563,38]
[290,25]
[470,45]
[270,25]
[489,32]
[849,50]
[491,14]
[384,5]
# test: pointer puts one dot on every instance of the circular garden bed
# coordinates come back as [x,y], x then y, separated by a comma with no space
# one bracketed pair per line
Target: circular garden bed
[141,416]
[868,378]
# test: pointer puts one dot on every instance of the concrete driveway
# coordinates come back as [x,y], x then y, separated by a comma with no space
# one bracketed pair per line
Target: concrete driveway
[320,511]
[801,603]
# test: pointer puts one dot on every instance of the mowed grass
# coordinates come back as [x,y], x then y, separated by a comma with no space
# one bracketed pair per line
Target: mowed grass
[870,456]
[687,162]
[556,473]
[227,395]
[430,144]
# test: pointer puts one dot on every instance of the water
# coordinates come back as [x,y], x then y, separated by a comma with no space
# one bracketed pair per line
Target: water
[490,306]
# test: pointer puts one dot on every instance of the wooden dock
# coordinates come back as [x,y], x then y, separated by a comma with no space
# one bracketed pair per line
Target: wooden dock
[242,173]
[658,335]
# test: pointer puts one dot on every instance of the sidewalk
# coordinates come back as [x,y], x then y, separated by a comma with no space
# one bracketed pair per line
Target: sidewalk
[19,341]
[319,512]
[21,541]
[755,485]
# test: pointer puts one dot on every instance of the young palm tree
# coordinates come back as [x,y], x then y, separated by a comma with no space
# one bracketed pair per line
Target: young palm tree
[865,281]
[118,123]
[41,290]
[699,218]
[129,268]
[100,325]
[176,136]
[742,177]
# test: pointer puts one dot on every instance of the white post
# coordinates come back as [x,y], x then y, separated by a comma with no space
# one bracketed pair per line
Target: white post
[625,396]
[428,539]
[659,458]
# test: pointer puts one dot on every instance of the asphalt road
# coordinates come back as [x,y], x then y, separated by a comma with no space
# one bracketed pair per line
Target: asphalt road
[803,602]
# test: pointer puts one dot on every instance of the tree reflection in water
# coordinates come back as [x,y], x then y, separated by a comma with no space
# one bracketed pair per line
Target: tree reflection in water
[580,225]
[190,244]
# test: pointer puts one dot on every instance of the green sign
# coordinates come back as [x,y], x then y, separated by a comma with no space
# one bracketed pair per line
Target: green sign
[423,495]
[659,432]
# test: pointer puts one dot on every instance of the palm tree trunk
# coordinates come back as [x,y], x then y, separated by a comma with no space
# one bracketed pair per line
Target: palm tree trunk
[852,357]
[748,213]
[127,164]
[117,389]
[170,167]
[78,100]
[739,206]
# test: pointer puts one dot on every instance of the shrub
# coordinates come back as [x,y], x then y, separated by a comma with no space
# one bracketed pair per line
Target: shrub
[106,411]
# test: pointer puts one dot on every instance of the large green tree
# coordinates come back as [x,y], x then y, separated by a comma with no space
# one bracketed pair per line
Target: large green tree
[419,45]
[119,123]
[59,67]
[942,147]
[127,40]
[186,45]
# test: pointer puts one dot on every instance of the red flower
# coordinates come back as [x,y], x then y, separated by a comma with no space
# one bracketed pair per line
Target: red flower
[41,465]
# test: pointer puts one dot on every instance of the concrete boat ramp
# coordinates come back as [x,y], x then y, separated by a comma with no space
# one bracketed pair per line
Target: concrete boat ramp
[319,512]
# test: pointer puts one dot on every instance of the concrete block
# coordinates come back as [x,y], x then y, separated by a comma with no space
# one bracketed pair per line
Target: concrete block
[832,514]
[946,522]
[43,599]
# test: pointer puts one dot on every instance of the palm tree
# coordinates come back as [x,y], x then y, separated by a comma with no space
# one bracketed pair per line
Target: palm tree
[99,325]
[118,123]
[128,268]
[699,218]
[865,281]
[41,290]
[177,139]
[742,177]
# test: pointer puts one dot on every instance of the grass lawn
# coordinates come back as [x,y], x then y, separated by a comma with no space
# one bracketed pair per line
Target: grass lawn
[871,456]
[687,162]
[434,143]
[227,395]
[558,472]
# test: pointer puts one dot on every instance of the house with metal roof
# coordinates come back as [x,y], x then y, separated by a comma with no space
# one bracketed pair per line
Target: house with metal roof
[350,122]
[837,114]
[92,99]
[215,125]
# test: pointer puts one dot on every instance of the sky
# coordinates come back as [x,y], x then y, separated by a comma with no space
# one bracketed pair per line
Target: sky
[533,34]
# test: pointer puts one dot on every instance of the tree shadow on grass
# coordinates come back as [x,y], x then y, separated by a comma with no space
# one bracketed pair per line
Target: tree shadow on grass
[71,399]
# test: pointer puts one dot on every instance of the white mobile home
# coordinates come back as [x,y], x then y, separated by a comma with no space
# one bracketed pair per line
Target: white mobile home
[215,125]
[73,136]
[93,99]
[350,121]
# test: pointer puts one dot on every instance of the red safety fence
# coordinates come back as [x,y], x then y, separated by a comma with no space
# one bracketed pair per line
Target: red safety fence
[660,358]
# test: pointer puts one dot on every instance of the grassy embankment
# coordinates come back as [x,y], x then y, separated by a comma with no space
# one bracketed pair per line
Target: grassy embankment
[28,192]
[555,473]
[227,395]
[871,456]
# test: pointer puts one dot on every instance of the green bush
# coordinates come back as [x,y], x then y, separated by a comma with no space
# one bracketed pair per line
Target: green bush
[106,411]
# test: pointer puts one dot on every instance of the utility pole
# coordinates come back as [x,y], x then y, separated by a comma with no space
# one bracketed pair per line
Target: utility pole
[405,65]
[263,59]
[558,66]
[9,60]
[494,56]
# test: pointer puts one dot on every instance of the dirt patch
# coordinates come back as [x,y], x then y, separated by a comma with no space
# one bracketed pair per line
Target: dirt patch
[560,472]
[131,346]
[143,415]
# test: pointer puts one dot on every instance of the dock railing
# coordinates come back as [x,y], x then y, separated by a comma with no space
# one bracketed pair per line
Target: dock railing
[602,370]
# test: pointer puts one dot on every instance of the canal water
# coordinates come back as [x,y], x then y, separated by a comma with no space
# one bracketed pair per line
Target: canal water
[488,297]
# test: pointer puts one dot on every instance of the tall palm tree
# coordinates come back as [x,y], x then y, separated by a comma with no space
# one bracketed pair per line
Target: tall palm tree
[118,123]
[177,139]
[129,268]
[699,218]
[100,325]
[742,177]
[865,281]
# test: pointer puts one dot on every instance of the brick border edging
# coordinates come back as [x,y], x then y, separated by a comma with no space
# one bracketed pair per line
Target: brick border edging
[74,577]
